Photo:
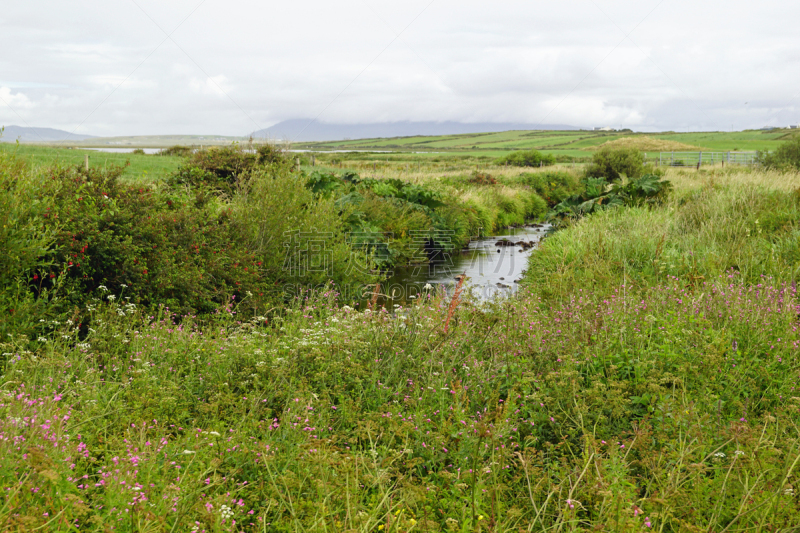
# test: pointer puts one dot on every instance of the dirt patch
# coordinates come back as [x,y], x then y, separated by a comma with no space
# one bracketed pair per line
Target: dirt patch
[648,144]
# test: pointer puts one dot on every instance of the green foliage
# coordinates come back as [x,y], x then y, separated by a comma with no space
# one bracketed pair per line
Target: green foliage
[785,157]
[27,231]
[599,195]
[177,150]
[220,168]
[552,186]
[526,158]
[186,249]
[612,163]
[323,183]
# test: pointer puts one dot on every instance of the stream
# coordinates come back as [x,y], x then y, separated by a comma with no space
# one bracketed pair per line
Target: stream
[492,270]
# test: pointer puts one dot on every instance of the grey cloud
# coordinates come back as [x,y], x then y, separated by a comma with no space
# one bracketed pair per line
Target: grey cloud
[244,65]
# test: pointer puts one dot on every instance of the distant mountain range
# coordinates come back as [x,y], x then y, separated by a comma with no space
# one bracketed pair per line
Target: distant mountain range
[301,130]
[12,133]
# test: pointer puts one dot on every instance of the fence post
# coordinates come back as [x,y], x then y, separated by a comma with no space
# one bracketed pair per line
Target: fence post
[313,161]
[86,161]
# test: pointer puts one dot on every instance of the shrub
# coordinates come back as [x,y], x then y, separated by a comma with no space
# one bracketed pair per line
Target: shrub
[552,186]
[785,157]
[27,231]
[220,168]
[611,163]
[482,178]
[527,158]
[177,150]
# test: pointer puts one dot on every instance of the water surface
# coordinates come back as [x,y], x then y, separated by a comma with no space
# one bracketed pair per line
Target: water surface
[491,270]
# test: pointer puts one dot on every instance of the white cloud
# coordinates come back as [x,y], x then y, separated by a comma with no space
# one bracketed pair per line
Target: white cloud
[15,101]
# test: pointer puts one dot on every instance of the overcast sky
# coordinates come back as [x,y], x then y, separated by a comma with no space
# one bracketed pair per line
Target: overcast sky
[125,67]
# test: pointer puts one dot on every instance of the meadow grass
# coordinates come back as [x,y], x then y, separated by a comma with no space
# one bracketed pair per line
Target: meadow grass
[644,380]
[572,143]
[141,168]
[714,222]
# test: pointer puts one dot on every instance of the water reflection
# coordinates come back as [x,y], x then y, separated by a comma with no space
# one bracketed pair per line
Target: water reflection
[493,267]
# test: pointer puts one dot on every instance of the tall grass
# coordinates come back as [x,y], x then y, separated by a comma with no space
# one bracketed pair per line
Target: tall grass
[745,222]
[662,414]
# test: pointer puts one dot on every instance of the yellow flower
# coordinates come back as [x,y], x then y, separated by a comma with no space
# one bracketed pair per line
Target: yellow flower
[480,517]
[380,527]
[413,522]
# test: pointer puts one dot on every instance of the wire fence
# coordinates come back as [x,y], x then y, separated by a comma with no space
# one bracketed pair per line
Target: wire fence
[693,159]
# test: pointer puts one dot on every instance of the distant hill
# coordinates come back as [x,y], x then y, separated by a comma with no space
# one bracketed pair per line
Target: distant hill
[12,133]
[302,130]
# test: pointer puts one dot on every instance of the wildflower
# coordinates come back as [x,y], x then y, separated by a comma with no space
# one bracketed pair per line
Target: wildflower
[719,455]
[188,452]
[111,297]
[226,512]
[427,287]
[213,433]
[41,339]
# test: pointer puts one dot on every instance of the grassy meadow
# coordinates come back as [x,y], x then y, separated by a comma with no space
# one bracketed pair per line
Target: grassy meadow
[157,378]
[568,144]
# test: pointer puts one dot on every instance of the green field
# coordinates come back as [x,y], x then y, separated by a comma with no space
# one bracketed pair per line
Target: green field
[577,144]
[136,166]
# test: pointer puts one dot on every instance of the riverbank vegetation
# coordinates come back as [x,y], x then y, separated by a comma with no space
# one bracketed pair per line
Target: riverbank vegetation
[157,377]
